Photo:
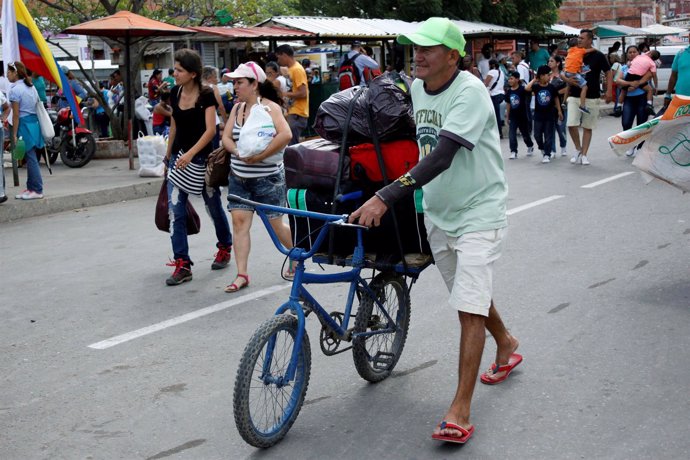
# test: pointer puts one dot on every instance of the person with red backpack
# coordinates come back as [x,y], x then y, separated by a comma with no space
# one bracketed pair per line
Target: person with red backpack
[354,66]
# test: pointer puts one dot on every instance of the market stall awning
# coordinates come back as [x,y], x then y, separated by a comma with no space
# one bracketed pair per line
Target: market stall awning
[662,30]
[617,31]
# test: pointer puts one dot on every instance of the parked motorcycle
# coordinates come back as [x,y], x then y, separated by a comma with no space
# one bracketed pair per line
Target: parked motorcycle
[75,145]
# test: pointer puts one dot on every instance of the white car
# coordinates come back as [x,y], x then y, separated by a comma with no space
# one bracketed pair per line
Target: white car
[663,72]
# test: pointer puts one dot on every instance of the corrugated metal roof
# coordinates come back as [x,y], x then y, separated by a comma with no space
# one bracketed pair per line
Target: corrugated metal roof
[329,27]
[253,32]
[156,50]
[484,28]
[567,30]
[326,27]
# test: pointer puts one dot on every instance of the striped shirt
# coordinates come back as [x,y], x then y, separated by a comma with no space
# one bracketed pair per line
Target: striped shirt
[266,167]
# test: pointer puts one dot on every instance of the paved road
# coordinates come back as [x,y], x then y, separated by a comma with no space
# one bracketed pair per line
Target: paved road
[593,282]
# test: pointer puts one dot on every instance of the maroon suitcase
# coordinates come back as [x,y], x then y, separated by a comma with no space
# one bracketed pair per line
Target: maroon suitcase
[313,165]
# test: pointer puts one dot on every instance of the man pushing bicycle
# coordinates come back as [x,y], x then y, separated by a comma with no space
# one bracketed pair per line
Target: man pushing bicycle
[462,176]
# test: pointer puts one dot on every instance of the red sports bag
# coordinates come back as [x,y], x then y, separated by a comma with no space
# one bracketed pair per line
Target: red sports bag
[398,157]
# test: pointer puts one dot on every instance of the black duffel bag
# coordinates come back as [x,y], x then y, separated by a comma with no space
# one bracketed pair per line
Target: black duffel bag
[390,105]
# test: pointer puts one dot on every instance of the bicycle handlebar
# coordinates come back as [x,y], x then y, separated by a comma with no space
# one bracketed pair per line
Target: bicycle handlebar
[330,219]
[294,212]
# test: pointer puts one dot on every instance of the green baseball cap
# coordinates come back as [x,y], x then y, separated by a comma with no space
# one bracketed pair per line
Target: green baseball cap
[436,31]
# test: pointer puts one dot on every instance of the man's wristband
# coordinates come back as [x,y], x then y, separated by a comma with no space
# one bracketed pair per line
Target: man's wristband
[668,96]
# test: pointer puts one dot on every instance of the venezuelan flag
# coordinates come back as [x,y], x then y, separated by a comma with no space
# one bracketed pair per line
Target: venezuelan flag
[35,54]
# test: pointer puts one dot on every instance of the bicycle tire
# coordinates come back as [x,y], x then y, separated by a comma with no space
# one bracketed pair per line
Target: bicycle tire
[264,413]
[375,356]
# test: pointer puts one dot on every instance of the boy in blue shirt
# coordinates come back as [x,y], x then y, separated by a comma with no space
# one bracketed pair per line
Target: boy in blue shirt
[516,115]
[546,106]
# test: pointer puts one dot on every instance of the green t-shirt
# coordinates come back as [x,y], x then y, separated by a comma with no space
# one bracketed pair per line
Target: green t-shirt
[470,196]
[681,65]
[538,58]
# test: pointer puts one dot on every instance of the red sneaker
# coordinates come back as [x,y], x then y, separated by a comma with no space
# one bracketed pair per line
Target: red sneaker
[222,257]
[182,273]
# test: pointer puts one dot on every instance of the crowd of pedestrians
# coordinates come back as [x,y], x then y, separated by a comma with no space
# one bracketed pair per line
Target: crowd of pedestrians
[545,94]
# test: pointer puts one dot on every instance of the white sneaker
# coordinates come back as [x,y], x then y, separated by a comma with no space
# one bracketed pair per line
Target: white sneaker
[630,153]
[19,196]
[513,156]
[584,160]
[530,151]
[564,152]
[576,159]
[546,159]
[31,195]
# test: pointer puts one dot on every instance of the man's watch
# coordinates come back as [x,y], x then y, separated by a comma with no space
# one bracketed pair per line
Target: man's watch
[668,96]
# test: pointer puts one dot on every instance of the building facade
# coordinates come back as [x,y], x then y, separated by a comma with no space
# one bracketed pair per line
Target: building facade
[586,13]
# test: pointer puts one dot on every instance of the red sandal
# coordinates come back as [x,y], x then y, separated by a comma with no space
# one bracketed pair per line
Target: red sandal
[488,376]
[234,287]
[465,433]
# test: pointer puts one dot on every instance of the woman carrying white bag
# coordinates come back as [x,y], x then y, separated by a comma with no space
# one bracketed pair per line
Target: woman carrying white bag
[256,136]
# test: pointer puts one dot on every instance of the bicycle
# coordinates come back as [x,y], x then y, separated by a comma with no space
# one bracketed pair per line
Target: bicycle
[274,370]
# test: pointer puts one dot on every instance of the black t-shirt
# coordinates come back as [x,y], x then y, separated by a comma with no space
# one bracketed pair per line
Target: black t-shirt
[517,98]
[190,124]
[544,108]
[597,63]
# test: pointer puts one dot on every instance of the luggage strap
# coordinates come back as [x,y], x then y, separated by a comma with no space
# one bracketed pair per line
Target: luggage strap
[297,198]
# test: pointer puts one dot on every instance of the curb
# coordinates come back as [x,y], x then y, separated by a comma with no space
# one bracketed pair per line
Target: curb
[10,211]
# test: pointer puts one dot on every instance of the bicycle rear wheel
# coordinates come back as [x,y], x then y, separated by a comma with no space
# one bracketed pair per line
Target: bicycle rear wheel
[265,406]
[375,356]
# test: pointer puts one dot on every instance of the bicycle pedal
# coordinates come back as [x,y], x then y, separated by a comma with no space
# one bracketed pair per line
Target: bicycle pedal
[383,360]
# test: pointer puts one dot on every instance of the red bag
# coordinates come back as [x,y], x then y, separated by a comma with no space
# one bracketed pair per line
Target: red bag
[162,217]
[398,157]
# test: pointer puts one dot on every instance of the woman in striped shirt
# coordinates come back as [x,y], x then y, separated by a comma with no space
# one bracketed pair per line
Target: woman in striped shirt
[259,177]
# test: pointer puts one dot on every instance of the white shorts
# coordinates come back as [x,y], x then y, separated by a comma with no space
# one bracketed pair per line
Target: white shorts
[466,265]
[577,118]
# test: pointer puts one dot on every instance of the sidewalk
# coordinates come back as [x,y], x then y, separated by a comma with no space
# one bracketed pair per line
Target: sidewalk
[99,182]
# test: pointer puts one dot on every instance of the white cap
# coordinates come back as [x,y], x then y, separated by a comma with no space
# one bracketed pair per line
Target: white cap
[248,70]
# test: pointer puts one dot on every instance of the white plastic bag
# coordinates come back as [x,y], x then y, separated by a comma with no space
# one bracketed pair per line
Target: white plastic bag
[44,121]
[257,132]
[151,151]
[143,111]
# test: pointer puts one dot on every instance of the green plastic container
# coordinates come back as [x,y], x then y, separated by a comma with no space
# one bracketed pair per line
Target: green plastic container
[19,149]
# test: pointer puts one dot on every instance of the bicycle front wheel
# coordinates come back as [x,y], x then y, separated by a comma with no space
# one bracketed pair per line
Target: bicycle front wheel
[265,404]
[376,355]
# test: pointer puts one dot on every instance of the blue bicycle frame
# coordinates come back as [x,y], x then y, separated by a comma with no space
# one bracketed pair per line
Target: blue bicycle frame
[299,292]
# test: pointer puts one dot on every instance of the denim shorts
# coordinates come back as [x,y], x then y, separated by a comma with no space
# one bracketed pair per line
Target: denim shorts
[266,190]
